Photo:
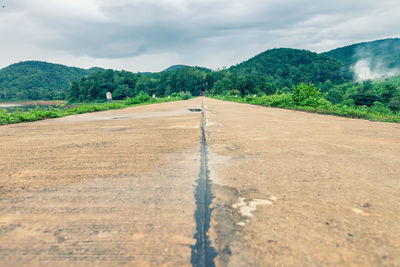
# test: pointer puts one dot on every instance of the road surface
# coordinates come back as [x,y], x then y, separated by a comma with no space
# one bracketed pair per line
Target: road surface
[125,187]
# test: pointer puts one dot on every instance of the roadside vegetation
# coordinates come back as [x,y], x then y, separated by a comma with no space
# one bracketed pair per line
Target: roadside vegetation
[278,78]
[40,113]
[306,97]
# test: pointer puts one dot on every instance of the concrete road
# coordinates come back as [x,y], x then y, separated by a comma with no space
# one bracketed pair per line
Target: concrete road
[131,187]
[301,189]
[104,189]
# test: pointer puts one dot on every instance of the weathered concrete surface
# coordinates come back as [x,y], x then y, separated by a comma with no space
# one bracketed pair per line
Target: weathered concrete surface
[117,187]
[300,189]
[106,188]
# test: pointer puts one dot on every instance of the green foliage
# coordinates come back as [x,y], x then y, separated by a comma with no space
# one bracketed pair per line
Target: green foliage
[142,97]
[40,113]
[379,108]
[123,84]
[394,103]
[364,99]
[185,95]
[287,67]
[307,97]
[284,74]
[278,69]
[36,80]
[234,93]
[306,94]
[264,74]
[334,96]
[386,91]
[175,67]
[279,100]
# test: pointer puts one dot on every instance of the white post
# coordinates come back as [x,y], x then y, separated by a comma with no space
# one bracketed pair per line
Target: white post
[109,97]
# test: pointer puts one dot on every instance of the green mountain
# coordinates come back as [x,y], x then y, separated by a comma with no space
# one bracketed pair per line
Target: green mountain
[288,67]
[36,80]
[380,54]
[174,67]
[273,70]
[276,69]
[178,67]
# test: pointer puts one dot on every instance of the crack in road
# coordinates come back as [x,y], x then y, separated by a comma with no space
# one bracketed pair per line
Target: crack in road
[203,253]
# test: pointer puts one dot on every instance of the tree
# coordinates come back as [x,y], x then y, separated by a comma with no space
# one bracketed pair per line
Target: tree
[388,93]
[304,92]
[365,99]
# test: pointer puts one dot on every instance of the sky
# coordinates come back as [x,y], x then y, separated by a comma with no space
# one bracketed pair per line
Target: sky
[150,35]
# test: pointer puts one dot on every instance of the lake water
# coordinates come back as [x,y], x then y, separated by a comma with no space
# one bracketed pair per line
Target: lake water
[10,107]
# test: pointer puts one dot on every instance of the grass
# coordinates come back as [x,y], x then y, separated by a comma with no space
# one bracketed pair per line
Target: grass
[41,113]
[377,112]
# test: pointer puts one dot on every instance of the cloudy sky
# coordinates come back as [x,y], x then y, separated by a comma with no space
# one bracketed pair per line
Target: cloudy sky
[150,35]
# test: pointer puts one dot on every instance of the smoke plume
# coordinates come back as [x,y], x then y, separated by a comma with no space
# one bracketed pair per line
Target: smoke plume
[364,70]
[374,63]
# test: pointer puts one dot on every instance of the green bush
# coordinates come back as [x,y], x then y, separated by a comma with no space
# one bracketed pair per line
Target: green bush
[142,97]
[40,113]
[379,108]
[306,95]
[308,98]
[185,95]
[234,92]
[280,101]
[394,103]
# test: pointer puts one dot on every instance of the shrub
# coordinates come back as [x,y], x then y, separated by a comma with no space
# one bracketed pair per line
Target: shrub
[305,94]
[142,97]
[249,99]
[282,100]
[380,108]
[394,103]
[308,98]
[40,113]
[365,99]
[234,93]
[185,95]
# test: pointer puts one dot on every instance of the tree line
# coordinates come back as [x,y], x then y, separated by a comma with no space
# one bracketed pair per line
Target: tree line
[273,70]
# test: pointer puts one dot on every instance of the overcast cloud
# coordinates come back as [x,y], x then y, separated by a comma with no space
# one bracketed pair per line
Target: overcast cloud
[150,35]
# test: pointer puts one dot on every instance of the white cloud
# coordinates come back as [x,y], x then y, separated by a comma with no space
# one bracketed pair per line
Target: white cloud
[147,35]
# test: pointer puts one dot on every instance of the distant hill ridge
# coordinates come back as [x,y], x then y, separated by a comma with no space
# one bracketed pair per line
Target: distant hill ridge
[293,66]
[38,80]
[174,67]
[282,67]
[384,52]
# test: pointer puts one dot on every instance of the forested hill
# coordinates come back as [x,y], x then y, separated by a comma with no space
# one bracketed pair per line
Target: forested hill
[276,69]
[38,80]
[175,67]
[385,53]
[287,67]
[124,84]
